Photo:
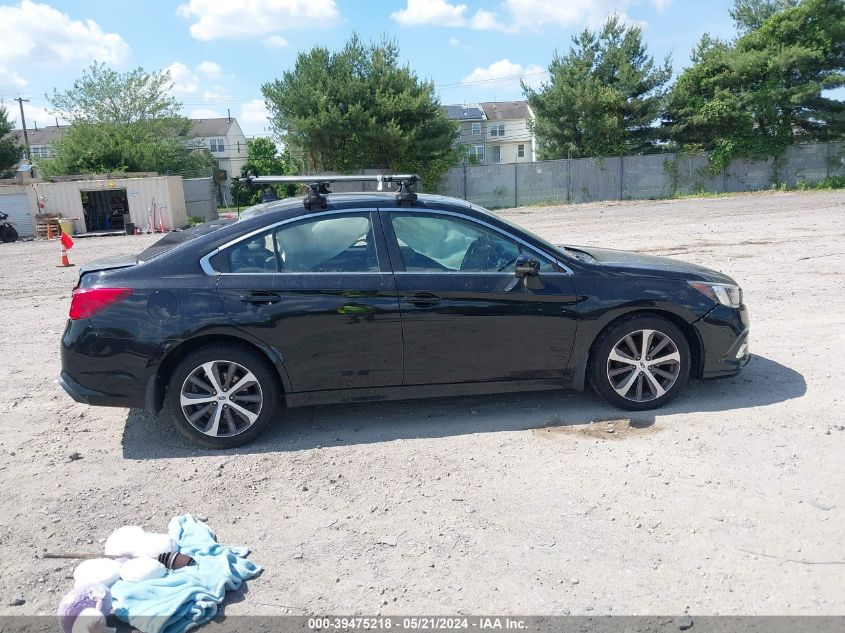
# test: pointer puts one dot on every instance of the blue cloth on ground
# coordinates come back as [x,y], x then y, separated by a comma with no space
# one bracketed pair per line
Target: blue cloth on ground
[188,597]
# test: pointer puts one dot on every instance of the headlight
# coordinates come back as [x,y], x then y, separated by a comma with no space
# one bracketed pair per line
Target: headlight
[726,294]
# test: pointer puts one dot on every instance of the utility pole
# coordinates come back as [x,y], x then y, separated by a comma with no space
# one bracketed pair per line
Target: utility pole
[23,125]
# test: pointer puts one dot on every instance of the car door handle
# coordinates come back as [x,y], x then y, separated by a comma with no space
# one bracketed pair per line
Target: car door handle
[422,299]
[261,298]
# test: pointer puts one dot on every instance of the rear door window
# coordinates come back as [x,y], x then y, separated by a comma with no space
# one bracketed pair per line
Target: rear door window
[256,254]
[334,244]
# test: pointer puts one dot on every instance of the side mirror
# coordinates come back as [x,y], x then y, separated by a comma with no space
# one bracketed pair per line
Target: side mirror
[527,266]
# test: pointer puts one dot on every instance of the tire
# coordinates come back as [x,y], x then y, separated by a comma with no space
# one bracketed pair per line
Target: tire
[8,233]
[620,374]
[237,416]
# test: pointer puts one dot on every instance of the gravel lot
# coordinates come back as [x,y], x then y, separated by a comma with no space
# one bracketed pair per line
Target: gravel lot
[728,501]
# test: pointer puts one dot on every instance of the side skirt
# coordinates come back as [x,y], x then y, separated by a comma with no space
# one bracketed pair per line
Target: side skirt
[408,392]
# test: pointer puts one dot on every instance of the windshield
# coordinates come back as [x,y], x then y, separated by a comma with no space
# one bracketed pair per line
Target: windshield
[175,238]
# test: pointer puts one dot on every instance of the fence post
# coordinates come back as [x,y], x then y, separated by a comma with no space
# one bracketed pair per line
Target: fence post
[515,192]
[827,162]
[465,181]
[569,177]
[621,177]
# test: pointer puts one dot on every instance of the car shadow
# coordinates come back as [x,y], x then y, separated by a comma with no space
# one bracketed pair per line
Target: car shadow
[764,382]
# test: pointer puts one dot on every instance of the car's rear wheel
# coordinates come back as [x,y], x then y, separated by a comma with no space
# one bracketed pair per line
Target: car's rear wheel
[640,363]
[222,396]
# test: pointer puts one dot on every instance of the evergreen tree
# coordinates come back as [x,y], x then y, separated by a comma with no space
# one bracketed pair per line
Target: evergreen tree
[602,98]
[358,108]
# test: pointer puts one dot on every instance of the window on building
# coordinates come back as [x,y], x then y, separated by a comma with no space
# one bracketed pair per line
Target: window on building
[476,128]
[497,130]
[217,144]
[478,152]
[41,151]
[458,134]
[496,154]
[520,151]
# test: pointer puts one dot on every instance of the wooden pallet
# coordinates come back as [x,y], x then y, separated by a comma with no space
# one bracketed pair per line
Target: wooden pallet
[47,225]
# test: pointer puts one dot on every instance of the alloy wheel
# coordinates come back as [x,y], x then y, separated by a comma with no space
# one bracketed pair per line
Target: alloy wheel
[221,398]
[643,365]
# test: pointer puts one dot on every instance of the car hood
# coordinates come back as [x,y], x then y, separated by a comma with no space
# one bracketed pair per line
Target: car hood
[628,261]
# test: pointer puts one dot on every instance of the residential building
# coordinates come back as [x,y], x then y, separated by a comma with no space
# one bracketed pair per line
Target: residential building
[40,139]
[509,135]
[472,129]
[225,140]
[496,131]
[222,137]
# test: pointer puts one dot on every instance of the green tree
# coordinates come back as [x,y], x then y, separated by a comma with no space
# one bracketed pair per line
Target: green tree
[750,14]
[10,152]
[602,98]
[123,122]
[263,159]
[766,90]
[358,108]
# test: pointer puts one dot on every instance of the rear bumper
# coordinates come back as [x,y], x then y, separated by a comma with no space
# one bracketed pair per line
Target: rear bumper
[102,371]
[724,335]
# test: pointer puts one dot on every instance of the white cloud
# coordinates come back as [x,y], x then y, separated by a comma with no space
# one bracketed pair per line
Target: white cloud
[661,5]
[209,69]
[454,41]
[536,14]
[34,115]
[10,78]
[517,15]
[431,12]
[505,74]
[442,13]
[486,21]
[185,82]
[214,19]
[254,117]
[215,92]
[205,113]
[275,41]
[38,34]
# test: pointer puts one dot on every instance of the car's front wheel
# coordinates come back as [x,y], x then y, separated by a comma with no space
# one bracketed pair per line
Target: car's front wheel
[640,363]
[222,396]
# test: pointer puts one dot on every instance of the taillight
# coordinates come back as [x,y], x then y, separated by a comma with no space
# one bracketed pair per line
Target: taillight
[87,302]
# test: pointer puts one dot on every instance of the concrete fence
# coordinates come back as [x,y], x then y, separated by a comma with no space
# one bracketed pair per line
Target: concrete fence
[200,199]
[637,177]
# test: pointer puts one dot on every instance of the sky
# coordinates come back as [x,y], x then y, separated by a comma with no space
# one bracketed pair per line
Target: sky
[220,52]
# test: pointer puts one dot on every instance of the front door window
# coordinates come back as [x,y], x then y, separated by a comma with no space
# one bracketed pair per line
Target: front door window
[435,243]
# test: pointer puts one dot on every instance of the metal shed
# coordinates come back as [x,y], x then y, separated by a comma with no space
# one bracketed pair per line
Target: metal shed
[99,205]
[19,202]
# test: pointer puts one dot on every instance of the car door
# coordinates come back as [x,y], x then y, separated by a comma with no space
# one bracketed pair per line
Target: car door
[465,316]
[318,290]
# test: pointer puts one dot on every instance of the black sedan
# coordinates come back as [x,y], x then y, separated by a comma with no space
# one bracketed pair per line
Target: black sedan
[372,296]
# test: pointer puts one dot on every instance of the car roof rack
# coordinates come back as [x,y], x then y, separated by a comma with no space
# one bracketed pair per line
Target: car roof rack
[318,185]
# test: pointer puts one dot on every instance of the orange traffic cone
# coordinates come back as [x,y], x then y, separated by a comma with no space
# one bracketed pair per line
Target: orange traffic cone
[66,243]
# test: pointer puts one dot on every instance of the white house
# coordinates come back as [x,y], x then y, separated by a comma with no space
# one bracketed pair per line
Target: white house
[223,137]
[509,138]
[225,140]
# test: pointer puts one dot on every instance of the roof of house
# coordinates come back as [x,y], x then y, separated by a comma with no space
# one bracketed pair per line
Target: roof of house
[464,112]
[210,127]
[41,136]
[502,110]
[199,128]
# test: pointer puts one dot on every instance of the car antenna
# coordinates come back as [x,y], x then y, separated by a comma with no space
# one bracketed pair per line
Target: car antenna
[318,185]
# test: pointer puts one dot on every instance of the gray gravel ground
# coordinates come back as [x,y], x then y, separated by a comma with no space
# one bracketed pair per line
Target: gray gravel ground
[728,501]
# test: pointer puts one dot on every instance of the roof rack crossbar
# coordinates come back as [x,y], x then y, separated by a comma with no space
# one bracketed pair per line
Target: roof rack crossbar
[318,185]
